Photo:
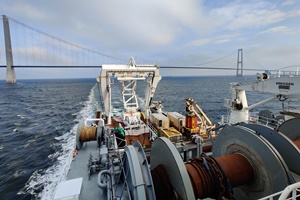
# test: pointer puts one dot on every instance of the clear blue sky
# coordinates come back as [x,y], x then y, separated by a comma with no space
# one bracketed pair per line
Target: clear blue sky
[167,32]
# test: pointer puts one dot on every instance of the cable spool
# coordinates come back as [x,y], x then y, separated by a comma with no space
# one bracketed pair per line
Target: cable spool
[85,134]
[88,133]
[164,154]
[297,143]
[238,167]
[285,143]
[200,178]
[137,173]
[213,178]
[162,185]
[290,128]
[270,170]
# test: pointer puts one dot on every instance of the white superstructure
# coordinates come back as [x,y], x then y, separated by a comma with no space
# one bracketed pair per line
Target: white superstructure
[128,75]
[282,88]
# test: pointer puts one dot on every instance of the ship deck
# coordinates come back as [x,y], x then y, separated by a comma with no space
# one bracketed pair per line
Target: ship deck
[79,169]
[89,189]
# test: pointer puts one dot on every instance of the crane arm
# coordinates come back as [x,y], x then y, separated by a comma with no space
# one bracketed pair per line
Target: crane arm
[286,86]
[190,104]
[203,114]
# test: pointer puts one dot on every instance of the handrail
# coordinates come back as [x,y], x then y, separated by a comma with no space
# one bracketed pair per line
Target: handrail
[256,119]
[153,132]
[291,192]
[291,189]
[96,119]
[286,71]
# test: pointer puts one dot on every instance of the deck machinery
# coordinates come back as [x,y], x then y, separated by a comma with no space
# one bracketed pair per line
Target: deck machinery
[248,161]
[192,124]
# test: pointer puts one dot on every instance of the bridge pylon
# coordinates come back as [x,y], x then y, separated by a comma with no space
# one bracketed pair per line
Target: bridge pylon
[239,67]
[10,71]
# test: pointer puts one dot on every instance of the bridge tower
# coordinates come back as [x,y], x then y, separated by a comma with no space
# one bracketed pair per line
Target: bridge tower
[10,71]
[239,67]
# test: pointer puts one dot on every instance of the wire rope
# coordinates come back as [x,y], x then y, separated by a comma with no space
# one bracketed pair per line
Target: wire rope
[25,44]
[252,60]
[41,49]
[47,55]
[31,54]
[57,48]
[64,41]
[217,59]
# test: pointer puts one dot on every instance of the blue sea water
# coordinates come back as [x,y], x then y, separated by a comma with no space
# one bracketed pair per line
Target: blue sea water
[39,118]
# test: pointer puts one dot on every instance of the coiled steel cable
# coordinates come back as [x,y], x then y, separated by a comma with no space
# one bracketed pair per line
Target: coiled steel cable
[88,133]
[210,177]
[162,185]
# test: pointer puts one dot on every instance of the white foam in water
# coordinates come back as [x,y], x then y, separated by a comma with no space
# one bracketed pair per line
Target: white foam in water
[58,172]
[50,177]
[141,102]
[21,116]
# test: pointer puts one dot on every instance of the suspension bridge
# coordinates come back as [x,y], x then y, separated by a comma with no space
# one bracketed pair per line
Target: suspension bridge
[28,47]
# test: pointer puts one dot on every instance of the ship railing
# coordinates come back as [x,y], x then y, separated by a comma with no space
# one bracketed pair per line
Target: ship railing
[153,132]
[291,192]
[254,118]
[227,103]
[224,119]
[286,71]
[93,120]
[273,122]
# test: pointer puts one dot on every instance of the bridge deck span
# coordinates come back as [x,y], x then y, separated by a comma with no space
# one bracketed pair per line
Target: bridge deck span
[100,66]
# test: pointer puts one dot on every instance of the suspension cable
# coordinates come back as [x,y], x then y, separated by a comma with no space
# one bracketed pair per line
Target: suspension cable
[217,59]
[252,60]
[64,41]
